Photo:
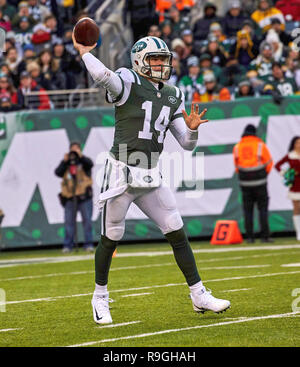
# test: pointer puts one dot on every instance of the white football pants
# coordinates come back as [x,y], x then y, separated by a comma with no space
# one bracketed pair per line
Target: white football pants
[158,204]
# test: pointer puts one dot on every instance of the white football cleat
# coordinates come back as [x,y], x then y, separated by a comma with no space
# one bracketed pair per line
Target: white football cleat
[101,313]
[204,301]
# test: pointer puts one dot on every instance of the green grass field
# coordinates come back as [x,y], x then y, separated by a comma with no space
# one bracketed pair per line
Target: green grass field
[48,298]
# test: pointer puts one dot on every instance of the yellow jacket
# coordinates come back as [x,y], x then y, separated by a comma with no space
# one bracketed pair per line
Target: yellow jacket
[263,18]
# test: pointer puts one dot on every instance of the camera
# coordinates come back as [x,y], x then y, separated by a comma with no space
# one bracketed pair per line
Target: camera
[73,158]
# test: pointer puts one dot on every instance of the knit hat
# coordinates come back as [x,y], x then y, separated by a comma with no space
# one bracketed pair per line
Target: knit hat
[249,130]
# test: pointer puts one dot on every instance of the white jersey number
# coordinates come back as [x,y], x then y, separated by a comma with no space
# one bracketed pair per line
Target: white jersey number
[160,124]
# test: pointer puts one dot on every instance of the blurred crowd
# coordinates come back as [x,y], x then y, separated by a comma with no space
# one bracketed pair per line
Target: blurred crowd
[249,48]
[246,48]
[39,54]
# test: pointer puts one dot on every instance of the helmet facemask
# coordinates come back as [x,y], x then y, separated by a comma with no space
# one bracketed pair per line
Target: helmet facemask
[161,71]
[143,53]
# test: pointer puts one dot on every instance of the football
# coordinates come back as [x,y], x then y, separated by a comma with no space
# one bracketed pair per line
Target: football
[86,32]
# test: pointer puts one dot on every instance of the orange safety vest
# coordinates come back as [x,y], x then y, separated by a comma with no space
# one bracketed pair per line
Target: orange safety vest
[252,161]
[163,5]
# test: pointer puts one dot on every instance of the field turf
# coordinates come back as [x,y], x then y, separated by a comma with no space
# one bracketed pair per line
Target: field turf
[48,297]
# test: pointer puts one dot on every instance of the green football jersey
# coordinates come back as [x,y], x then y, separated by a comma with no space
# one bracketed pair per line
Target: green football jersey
[142,117]
[285,86]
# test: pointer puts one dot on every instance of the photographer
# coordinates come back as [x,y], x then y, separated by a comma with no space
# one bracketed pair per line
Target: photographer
[76,195]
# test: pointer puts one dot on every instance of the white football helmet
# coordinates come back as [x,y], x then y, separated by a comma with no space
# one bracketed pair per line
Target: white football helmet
[141,53]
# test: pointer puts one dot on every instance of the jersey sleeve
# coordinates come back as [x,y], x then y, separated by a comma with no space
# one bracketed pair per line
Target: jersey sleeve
[127,78]
[103,76]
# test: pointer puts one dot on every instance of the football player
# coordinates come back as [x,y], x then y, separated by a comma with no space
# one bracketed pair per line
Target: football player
[145,107]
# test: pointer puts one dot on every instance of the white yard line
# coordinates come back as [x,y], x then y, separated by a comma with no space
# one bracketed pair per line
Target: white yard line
[293,265]
[236,267]
[4,330]
[133,267]
[154,286]
[136,294]
[237,290]
[117,325]
[160,332]
[214,250]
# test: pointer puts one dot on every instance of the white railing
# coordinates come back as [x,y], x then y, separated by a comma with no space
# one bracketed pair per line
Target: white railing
[63,99]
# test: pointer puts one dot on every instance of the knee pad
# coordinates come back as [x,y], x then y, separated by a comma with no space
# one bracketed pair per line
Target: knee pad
[114,232]
[173,222]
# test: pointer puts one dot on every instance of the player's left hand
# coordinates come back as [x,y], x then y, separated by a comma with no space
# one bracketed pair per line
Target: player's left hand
[194,120]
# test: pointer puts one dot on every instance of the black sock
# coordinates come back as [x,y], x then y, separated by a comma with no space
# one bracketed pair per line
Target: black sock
[103,257]
[184,255]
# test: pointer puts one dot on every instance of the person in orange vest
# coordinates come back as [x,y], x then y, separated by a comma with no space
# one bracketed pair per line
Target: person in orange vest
[163,6]
[253,163]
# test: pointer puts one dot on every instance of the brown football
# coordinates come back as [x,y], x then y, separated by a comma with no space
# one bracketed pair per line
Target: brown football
[86,31]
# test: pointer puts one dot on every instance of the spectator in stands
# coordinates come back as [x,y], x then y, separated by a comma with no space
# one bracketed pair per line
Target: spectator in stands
[277,46]
[292,66]
[216,30]
[284,37]
[206,64]
[67,39]
[6,104]
[142,15]
[52,78]
[12,60]
[262,64]
[216,51]
[4,21]
[256,37]
[201,27]
[34,70]
[282,85]
[154,31]
[29,55]
[7,88]
[7,9]
[256,83]
[76,195]
[188,39]
[213,91]
[290,9]
[244,49]
[264,15]
[292,160]
[27,84]
[244,89]
[166,32]
[50,23]
[38,11]
[23,32]
[4,69]
[163,6]
[232,73]
[176,70]
[253,162]
[234,19]
[41,37]
[178,23]
[181,50]
[67,64]
[23,11]
[191,84]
